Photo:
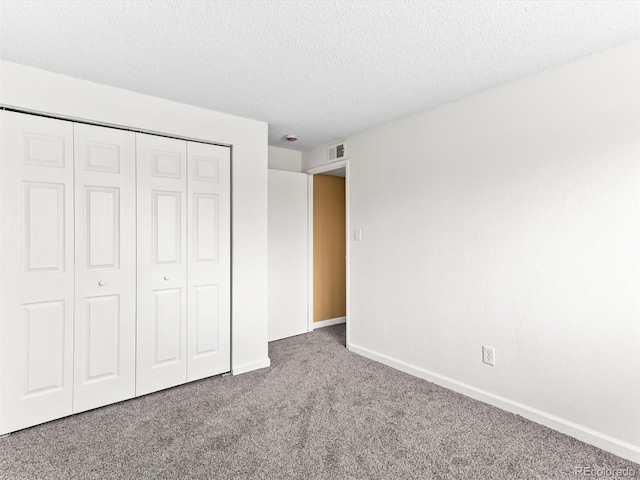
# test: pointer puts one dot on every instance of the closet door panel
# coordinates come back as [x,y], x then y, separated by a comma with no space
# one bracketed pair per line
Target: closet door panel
[105,262]
[162,263]
[36,270]
[166,326]
[209,171]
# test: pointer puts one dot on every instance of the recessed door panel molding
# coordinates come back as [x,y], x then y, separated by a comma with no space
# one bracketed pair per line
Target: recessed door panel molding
[43,347]
[102,344]
[36,270]
[207,317]
[103,227]
[167,164]
[206,239]
[44,150]
[209,259]
[207,168]
[44,218]
[166,228]
[102,157]
[167,326]
[105,266]
[162,263]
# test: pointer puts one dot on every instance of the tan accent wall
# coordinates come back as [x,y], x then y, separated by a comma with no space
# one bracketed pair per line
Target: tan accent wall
[329,266]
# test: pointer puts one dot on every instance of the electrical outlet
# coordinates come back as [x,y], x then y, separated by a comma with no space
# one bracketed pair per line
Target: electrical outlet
[488,355]
[357,234]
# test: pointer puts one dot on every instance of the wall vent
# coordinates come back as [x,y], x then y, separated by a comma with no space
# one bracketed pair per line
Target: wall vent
[337,152]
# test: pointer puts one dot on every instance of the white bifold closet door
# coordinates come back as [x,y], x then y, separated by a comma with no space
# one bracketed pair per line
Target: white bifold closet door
[209,260]
[114,266]
[105,266]
[36,271]
[183,262]
[162,263]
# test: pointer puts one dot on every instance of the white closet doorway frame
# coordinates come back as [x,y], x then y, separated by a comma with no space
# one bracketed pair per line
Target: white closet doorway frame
[311,172]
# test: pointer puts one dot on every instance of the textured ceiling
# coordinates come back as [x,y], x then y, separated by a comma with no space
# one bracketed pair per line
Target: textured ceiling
[319,69]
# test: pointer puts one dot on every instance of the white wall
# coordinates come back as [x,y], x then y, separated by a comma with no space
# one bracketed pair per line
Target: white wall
[285,159]
[510,218]
[35,89]
[288,254]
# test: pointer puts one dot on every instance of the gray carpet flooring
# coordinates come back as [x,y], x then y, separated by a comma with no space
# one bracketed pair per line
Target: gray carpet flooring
[320,412]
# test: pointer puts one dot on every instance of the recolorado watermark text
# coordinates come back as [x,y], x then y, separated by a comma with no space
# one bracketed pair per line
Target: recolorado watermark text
[607,472]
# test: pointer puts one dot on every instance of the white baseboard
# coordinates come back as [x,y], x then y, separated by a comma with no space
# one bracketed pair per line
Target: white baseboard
[587,435]
[249,367]
[327,323]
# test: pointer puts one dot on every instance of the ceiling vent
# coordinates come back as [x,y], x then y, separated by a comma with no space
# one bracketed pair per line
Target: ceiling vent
[337,152]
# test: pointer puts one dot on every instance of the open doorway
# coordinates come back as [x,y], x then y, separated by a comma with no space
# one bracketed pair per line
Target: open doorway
[328,246]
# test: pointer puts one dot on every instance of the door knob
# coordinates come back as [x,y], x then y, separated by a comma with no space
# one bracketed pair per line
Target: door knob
[101,283]
[166,277]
